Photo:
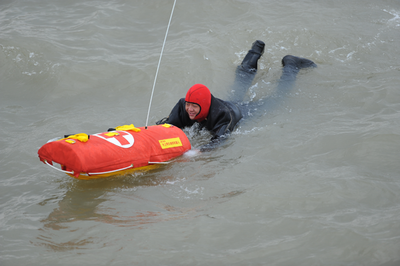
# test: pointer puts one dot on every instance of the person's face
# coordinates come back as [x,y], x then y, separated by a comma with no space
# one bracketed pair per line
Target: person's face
[192,109]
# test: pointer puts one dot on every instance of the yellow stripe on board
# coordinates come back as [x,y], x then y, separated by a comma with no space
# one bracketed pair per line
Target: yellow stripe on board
[170,143]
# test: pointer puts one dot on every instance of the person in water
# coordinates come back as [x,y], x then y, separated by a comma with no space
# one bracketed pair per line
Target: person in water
[220,117]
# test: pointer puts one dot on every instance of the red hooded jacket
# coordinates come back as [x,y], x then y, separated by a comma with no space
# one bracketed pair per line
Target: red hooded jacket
[200,95]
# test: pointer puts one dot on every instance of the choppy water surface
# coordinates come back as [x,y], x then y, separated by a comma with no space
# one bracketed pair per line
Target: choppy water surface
[315,181]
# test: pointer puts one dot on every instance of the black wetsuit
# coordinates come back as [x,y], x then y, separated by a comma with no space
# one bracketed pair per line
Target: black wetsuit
[223,116]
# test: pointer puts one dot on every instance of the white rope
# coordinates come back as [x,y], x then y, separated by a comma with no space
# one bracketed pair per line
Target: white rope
[159,61]
[99,173]
[52,166]
[113,171]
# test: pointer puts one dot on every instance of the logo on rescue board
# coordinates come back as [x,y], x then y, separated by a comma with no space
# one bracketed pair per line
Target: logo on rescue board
[170,143]
[120,138]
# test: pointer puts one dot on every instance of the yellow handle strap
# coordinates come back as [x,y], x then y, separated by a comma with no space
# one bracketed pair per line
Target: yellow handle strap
[128,127]
[82,137]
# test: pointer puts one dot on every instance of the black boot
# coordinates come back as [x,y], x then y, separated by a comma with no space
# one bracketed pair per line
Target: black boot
[249,62]
[258,47]
[297,62]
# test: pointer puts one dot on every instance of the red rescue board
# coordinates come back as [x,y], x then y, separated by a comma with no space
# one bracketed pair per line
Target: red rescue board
[116,152]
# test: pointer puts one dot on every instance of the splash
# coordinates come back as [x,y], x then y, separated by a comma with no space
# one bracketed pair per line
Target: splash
[29,63]
[395,21]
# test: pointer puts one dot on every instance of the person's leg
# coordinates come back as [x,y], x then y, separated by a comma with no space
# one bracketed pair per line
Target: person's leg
[246,71]
[291,67]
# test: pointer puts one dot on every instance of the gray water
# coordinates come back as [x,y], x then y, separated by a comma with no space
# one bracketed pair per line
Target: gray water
[314,181]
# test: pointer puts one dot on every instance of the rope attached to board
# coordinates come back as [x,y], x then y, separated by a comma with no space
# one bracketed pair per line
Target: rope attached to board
[158,66]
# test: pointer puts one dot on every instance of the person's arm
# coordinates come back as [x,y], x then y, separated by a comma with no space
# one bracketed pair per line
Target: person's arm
[215,141]
[223,120]
[177,117]
[220,132]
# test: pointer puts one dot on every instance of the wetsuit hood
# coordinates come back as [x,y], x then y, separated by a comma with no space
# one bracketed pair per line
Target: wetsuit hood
[200,95]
